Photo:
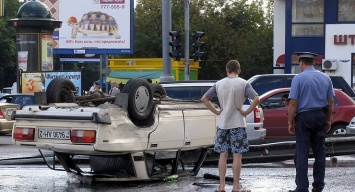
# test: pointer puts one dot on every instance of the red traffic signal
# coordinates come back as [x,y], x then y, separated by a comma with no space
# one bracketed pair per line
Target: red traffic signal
[175,45]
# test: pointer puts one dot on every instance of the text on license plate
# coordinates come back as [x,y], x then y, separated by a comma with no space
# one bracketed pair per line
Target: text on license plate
[44,133]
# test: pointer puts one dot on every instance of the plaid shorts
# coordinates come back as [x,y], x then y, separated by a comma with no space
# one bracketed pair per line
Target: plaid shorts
[231,140]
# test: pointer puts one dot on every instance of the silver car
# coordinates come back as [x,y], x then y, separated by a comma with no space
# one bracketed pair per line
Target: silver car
[350,129]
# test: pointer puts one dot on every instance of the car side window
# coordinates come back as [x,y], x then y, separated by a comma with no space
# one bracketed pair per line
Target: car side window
[195,93]
[274,101]
[288,82]
[177,92]
[267,83]
[336,83]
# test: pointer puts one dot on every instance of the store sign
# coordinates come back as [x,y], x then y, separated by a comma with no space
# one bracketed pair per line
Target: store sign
[344,39]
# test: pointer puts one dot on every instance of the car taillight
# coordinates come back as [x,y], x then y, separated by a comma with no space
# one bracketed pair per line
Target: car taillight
[256,117]
[21,133]
[83,136]
[1,114]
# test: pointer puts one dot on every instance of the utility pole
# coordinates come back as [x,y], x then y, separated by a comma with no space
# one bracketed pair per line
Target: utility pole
[166,27]
[187,44]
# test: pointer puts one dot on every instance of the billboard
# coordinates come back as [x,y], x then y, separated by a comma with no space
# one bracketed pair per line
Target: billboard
[38,81]
[93,27]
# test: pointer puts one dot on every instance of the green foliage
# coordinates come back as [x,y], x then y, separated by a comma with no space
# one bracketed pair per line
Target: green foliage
[8,45]
[234,29]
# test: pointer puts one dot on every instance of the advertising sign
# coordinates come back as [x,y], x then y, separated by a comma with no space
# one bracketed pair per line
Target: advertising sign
[27,51]
[39,81]
[47,53]
[95,27]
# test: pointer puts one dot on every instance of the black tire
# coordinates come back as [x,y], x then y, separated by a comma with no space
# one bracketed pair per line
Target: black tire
[158,90]
[338,130]
[60,90]
[140,98]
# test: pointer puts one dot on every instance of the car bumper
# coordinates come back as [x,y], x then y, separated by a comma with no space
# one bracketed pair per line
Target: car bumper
[255,133]
[350,129]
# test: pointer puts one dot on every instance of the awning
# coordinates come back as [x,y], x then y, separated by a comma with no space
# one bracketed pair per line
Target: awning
[294,59]
[124,76]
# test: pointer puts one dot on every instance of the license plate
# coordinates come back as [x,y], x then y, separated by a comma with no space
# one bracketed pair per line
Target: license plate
[44,133]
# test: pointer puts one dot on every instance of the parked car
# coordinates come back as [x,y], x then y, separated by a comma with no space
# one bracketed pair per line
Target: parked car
[6,123]
[275,113]
[195,89]
[350,129]
[266,82]
[18,98]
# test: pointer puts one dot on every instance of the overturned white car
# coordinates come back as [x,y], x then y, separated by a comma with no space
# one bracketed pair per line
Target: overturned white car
[139,136]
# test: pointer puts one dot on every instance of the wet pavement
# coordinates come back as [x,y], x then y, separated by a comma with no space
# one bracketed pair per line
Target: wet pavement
[270,177]
[259,177]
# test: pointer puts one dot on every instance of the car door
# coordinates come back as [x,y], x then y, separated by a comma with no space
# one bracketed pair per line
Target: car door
[275,117]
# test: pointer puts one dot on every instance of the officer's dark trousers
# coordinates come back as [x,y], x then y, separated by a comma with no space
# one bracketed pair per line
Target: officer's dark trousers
[310,132]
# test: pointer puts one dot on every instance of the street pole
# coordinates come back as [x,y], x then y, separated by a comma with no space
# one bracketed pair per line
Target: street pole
[187,34]
[166,28]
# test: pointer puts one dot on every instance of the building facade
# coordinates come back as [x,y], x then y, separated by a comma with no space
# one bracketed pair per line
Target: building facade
[325,27]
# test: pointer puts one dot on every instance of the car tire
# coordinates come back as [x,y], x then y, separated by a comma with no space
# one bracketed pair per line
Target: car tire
[158,90]
[60,90]
[140,98]
[338,130]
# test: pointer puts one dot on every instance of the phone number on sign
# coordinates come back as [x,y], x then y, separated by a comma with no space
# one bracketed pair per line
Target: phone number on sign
[112,6]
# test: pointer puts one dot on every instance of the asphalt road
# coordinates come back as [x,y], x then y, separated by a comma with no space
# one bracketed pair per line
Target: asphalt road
[262,177]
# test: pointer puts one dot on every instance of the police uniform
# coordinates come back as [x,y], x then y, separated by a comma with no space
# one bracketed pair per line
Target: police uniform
[311,89]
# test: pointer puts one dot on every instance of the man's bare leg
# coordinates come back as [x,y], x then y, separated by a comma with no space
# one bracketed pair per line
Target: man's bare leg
[222,168]
[237,166]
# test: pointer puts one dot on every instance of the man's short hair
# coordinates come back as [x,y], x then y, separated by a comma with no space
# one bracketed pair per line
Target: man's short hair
[233,66]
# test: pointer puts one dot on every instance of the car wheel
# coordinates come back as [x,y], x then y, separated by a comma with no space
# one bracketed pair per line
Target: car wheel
[140,98]
[158,90]
[60,90]
[338,130]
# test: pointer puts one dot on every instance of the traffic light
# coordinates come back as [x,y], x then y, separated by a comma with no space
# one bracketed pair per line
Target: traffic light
[197,44]
[175,44]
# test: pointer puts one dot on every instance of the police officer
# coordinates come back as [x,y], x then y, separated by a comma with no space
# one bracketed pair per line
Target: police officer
[310,109]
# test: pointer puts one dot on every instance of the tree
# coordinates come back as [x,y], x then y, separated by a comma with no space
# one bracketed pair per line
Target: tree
[234,29]
[8,45]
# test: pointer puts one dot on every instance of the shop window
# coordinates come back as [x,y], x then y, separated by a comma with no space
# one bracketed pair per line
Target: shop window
[307,17]
[346,10]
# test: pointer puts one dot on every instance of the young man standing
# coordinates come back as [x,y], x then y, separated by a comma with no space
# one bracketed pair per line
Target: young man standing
[309,112]
[231,135]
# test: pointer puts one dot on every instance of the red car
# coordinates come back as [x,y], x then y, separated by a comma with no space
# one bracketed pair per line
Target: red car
[275,113]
